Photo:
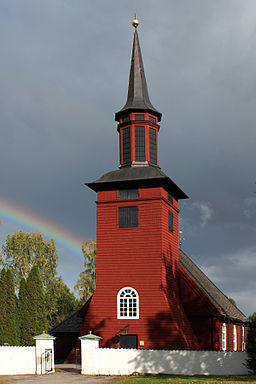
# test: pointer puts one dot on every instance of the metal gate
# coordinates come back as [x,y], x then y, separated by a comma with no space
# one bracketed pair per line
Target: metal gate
[48,360]
[78,358]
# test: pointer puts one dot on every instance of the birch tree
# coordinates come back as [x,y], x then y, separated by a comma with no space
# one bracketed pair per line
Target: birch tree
[21,251]
[86,283]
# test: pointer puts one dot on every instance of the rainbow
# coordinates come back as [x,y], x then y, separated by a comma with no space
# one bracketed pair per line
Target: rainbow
[28,221]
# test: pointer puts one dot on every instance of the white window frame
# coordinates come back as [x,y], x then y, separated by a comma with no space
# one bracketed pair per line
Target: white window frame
[224,337]
[243,338]
[126,300]
[234,338]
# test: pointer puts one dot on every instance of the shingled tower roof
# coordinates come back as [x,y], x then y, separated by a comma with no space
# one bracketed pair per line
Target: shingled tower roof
[137,97]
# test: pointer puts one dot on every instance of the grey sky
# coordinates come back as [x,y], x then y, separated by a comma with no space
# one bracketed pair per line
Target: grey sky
[64,73]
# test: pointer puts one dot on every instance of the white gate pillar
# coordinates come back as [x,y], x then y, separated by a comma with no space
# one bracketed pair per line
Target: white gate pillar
[89,346]
[44,353]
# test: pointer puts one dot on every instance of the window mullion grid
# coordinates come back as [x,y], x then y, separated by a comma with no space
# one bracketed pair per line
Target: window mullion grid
[128,304]
[152,145]
[139,143]
[126,145]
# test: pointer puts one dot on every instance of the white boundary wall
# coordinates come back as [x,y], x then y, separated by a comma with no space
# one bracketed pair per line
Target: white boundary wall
[28,360]
[108,361]
[17,360]
[127,361]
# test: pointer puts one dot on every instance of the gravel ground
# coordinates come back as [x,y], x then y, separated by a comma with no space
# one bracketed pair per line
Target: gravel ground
[69,374]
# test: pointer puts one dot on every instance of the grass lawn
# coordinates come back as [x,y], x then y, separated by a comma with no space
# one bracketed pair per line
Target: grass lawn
[187,380]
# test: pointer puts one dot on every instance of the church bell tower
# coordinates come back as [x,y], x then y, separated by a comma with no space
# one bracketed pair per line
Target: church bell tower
[138,119]
[136,301]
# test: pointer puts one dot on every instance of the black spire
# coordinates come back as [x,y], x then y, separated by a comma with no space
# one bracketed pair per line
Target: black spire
[137,97]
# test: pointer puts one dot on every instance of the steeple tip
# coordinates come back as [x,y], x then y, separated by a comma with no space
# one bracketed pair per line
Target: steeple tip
[135,22]
[137,96]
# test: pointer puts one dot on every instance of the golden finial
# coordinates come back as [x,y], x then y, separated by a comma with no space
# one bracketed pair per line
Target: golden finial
[135,21]
[90,332]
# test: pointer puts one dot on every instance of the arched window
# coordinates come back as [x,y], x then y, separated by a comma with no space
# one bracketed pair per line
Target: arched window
[224,337]
[127,303]
[234,338]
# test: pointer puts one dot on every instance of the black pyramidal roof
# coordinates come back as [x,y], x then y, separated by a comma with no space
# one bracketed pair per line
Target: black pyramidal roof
[131,177]
[73,324]
[218,298]
[137,97]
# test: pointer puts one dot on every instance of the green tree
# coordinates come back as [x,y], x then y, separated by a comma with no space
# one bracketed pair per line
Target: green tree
[3,303]
[23,250]
[251,344]
[20,252]
[232,301]
[86,283]
[11,310]
[36,314]
[23,313]
[9,328]
[58,295]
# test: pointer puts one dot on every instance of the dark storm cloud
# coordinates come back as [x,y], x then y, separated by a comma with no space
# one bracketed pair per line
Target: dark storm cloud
[64,72]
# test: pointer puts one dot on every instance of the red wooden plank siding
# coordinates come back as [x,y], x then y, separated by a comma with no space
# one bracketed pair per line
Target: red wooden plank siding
[144,258]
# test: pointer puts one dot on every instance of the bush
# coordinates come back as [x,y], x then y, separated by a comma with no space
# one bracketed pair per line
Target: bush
[251,344]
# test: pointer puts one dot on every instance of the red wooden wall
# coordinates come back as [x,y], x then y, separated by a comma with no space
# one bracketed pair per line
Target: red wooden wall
[146,259]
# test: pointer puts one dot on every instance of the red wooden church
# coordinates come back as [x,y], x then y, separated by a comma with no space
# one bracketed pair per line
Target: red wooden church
[148,293]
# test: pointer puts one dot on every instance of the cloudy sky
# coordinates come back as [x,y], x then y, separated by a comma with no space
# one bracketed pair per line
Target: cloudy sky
[64,73]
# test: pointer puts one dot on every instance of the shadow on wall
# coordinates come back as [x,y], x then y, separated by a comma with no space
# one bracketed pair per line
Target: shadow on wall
[97,328]
[189,362]
[159,327]
[94,327]
[174,322]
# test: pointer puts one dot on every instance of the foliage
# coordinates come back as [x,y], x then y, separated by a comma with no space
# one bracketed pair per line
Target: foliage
[38,309]
[60,301]
[251,344]
[86,283]
[3,301]
[11,310]
[9,329]
[23,250]
[36,317]
[187,379]
[23,312]
[44,298]
[232,301]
